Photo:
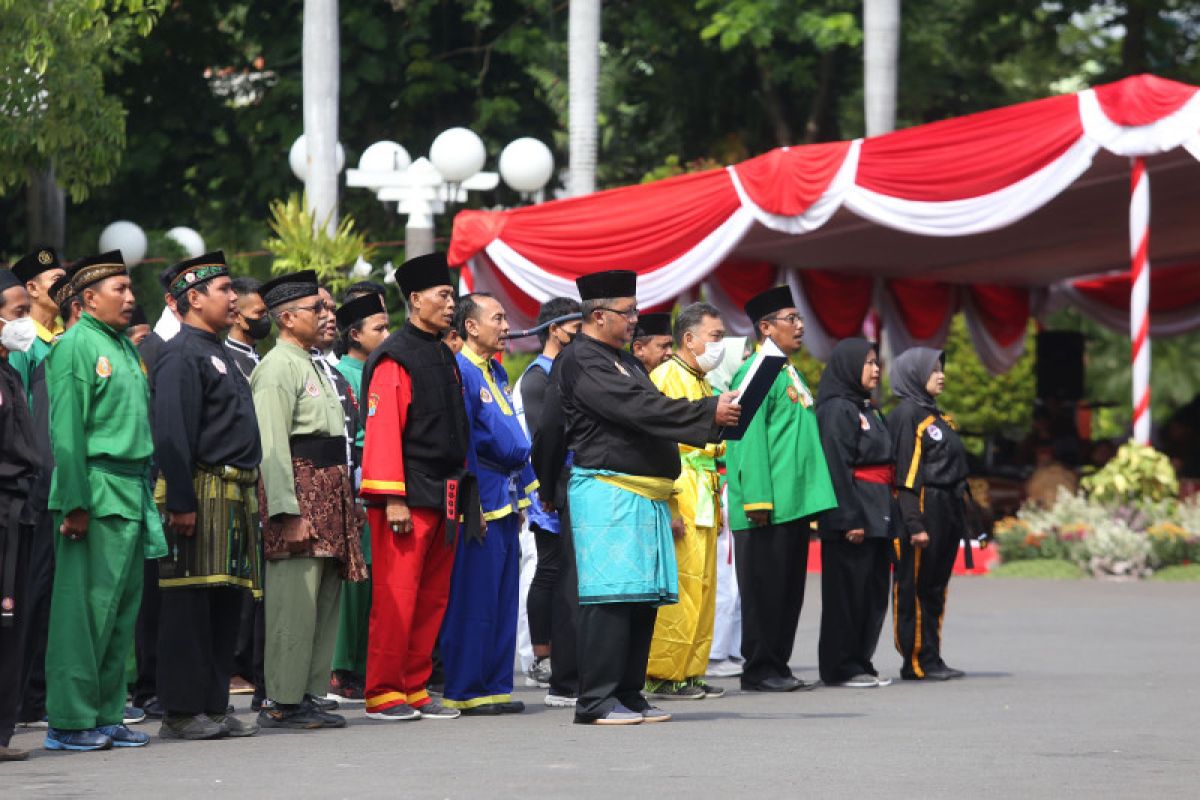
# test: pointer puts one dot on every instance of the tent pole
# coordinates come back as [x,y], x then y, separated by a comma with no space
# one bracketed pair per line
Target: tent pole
[1139,299]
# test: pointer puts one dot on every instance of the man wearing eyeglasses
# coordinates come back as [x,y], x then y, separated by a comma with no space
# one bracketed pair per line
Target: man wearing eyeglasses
[625,434]
[778,482]
[310,522]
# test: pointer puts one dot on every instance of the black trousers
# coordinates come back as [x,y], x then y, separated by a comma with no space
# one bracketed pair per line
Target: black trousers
[243,652]
[854,601]
[13,640]
[772,567]
[145,637]
[564,665]
[921,582]
[614,644]
[37,627]
[198,631]
[540,601]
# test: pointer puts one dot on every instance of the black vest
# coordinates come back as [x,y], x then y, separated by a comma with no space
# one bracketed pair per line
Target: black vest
[435,435]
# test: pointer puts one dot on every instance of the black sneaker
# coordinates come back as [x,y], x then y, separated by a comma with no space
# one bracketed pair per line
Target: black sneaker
[400,713]
[296,718]
[234,727]
[511,707]
[330,720]
[708,688]
[154,709]
[190,728]
[322,703]
[952,672]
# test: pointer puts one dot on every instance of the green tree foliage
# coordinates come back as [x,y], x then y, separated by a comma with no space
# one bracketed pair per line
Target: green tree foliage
[983,403]
[54,105]
[300,243]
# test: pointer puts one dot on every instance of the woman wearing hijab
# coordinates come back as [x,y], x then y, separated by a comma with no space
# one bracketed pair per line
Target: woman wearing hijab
[855,536]
[931,478]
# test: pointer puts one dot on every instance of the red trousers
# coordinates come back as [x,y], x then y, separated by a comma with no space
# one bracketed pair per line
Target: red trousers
[410,585]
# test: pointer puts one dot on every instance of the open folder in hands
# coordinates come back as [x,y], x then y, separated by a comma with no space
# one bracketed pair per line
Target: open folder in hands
[758,381]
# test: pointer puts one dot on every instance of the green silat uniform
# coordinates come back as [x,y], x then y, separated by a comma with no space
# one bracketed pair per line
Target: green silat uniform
[99,413]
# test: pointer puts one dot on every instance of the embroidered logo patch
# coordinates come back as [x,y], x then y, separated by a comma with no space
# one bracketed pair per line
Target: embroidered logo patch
[621,368]
[103,367]
[485,395]
[793,395]
[219,365]
[372,404]
[863,422]
[312,389]
[45,257]
[935,433]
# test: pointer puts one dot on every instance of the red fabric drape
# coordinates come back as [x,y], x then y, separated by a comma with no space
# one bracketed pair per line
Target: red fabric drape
[923,305]
[788,180]
[1003,310]
[1142,99]
[970,156]
[1171,288]
[840,302]
[741,279]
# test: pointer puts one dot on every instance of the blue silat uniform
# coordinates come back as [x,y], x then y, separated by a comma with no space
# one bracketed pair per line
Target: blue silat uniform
[479,633]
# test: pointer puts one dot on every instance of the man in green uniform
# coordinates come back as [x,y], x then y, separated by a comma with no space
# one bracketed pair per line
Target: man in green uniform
[362,326]
[778,482]
[310,522]
[99,412]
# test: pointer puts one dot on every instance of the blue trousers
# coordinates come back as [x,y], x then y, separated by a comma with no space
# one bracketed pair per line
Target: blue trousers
[479,633]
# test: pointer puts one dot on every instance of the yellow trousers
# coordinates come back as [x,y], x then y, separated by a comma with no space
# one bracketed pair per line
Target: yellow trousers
[683,633]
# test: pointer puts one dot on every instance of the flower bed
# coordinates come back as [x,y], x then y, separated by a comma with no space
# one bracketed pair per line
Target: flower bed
[1126,523]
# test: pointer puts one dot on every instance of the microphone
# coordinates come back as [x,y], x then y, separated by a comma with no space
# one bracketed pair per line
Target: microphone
[538,329]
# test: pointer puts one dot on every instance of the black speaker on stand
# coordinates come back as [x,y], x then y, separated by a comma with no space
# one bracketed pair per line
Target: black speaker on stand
[1060,366]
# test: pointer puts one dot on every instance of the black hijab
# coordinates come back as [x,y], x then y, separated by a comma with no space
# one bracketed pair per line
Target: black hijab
[910,374]
[842,377]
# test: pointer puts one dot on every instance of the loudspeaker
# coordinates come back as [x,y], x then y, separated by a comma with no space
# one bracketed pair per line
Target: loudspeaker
[1060,365]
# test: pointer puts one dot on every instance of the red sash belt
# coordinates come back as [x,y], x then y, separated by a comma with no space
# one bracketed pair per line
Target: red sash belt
[876,473]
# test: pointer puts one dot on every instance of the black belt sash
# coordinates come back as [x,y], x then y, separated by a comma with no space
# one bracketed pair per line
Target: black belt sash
[462,505]
[322,451]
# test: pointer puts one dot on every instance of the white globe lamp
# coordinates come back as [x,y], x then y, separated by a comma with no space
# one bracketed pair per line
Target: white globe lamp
[298,157]
[384,156]
[457,154]
[188,239]
[127,237]
[526,165]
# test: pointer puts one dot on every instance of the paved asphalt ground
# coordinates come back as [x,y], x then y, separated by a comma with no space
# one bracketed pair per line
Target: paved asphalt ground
[1074,689]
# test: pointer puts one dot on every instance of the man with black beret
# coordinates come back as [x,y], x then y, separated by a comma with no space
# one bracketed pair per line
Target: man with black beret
[652,340]
[38,271]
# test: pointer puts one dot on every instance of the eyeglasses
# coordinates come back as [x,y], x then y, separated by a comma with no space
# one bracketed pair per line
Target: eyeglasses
[631,314]
[315,308]
[790,319]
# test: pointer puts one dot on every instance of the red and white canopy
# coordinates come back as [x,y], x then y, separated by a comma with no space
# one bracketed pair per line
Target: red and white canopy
[984,213]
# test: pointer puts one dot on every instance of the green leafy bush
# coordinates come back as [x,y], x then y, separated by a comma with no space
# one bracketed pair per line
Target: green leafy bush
[300,243]
[1138,473]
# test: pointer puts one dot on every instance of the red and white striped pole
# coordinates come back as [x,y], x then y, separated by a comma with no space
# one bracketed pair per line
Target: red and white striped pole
[1139,298]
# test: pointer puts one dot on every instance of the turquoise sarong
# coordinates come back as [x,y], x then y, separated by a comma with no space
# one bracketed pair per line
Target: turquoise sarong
[624,551]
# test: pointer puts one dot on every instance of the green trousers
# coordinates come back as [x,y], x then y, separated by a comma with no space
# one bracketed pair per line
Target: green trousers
[350,653]
[301,605]
[93,609]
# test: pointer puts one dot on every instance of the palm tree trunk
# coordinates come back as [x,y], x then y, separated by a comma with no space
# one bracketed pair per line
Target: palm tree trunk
[583,67]
[881,45]
[320,73]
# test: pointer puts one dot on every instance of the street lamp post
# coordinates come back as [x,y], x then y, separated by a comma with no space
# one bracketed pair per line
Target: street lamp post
[423,187]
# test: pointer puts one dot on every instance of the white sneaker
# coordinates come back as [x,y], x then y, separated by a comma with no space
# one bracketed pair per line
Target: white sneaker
[538,673]
[863,681]
[559,701]
[724,669]
[882,681]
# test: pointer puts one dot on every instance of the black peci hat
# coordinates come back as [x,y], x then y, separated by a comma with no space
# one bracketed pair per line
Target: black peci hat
[194,271]
[9,279]
[603,285]
[423,272]
[361,307]
[63,288]
[656,324]
[138,317]
[35,263]
[768,302]
[286,288]
[93,269]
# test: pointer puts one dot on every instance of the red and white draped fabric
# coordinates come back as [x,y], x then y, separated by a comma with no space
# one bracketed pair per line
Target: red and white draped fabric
[1174,299]
[966,214]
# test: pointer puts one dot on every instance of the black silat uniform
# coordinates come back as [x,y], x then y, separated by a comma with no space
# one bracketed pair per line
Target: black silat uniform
[931,478]
[854,577]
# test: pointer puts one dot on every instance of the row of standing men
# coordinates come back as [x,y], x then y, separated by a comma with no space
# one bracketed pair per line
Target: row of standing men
[444,466]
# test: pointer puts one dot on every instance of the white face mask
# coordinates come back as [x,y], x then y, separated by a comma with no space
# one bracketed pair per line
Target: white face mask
[18,334]
[711,357]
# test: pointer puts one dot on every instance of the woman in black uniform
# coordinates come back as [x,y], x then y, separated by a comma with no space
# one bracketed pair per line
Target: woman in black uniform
[855,536]
[931,478]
